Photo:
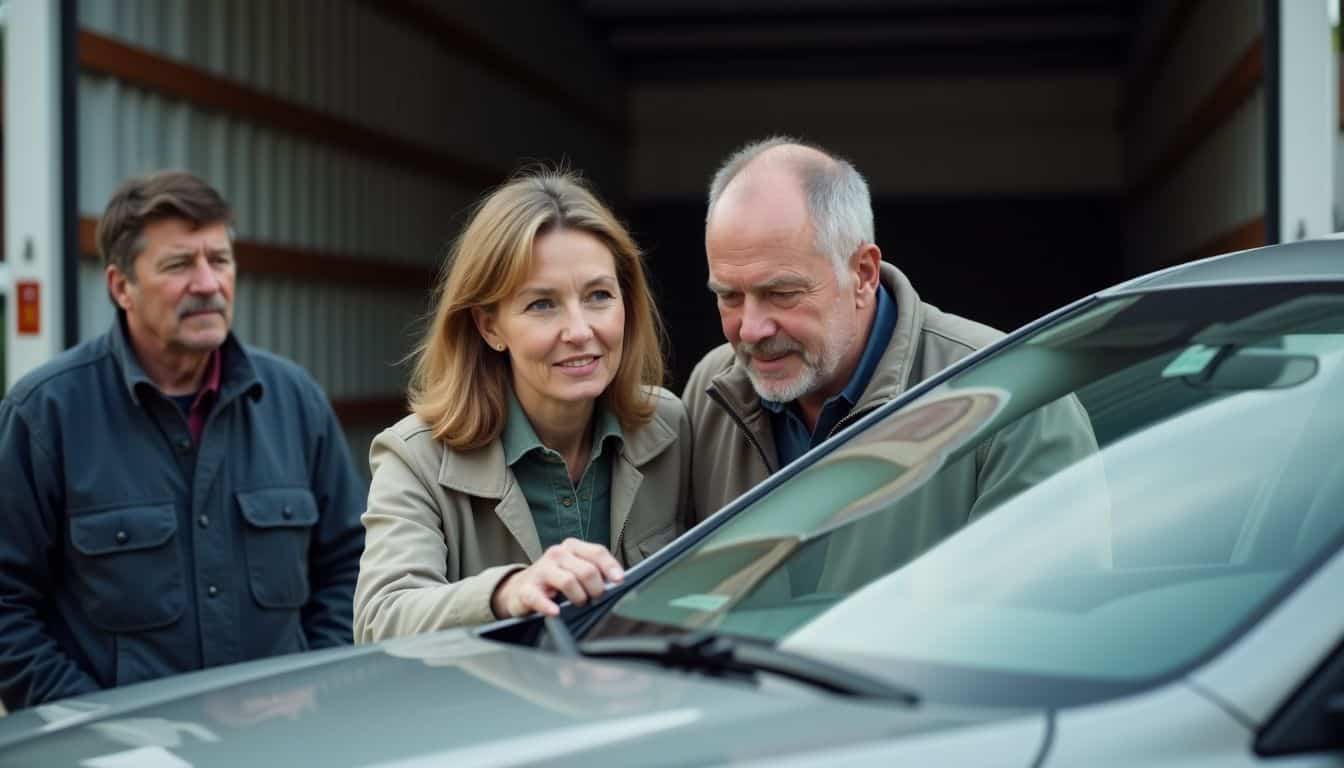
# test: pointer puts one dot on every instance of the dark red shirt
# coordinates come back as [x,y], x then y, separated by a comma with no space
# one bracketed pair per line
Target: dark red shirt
[205,398]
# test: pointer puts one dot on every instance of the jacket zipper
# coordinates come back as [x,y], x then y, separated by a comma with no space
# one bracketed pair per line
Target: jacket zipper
[718,398]
[850,418]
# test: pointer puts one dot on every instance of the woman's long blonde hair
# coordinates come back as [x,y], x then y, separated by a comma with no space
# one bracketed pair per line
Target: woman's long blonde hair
[459,384]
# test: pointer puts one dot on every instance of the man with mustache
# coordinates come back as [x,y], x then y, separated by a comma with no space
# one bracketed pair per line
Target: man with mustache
[171,499]
[821,332]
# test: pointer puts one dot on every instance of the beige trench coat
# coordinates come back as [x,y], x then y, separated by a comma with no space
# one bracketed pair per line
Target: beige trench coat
[443,528]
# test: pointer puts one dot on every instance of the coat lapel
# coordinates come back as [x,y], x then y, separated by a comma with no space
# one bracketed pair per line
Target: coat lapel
[640,446]
[740,398]
[517,517]
[625,481]
[484,473]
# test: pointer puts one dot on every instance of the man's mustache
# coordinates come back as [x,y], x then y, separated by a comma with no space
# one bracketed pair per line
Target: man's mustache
[775,346]
[193,305]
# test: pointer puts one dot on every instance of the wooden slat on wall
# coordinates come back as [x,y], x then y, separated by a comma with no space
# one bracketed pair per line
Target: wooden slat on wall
[1232,91]
[1249,234]
[143,69]
[386,411]
[302,263]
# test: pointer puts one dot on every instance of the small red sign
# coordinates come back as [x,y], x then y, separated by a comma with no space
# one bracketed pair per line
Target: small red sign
[29,293]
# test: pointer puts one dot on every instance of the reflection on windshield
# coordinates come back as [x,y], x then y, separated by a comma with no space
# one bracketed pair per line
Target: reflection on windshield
[1104,501]
[899,453]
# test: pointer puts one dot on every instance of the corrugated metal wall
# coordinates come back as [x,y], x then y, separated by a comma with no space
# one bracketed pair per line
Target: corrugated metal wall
[285,190]
[344,59]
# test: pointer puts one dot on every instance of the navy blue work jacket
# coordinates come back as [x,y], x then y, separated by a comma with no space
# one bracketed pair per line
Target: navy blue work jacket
[130,553]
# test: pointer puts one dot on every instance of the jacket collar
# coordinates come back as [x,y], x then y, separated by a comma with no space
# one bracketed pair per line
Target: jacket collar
[642,445]
[236,376]
[893,368]
[484,472]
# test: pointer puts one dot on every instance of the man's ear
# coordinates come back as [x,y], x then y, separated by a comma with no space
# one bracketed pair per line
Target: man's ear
[119,287]
[867,265]
[487,327]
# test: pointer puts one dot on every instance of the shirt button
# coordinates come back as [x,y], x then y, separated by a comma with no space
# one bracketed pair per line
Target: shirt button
[212,591]
[184,445]
[286,513]
[567,501]
[204,521]
[123,537]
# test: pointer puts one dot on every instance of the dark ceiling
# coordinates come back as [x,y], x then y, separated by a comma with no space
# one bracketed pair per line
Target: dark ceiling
[708,39]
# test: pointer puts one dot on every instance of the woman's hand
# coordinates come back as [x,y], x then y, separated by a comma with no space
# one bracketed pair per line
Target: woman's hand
[573,569]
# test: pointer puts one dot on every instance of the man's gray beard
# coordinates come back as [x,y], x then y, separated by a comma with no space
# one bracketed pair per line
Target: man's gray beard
[812,375]
[784,391]
[815,373]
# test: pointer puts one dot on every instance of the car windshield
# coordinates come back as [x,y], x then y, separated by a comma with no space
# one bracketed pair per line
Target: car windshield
[1087,511]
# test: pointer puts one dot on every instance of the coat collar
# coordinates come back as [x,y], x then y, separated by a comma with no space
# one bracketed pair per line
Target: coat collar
[484,472]
[893,369]
[236,375]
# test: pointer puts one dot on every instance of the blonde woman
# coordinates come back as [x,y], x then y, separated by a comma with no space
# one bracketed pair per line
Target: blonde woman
[541,457]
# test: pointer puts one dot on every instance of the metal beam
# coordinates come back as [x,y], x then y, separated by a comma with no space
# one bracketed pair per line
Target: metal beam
[1305,134]
[34,244]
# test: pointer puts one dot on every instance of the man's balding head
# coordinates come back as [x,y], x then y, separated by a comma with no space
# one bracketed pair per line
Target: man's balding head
[839,208]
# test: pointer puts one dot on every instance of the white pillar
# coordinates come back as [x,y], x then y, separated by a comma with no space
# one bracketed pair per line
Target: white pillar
[1308,120]
[1335,7]
[33,242]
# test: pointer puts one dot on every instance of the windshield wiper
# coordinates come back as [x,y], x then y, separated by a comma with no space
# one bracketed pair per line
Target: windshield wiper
[719,655]
[562,640]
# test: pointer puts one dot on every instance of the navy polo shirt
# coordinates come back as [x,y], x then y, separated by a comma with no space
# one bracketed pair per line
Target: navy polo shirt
[792,438]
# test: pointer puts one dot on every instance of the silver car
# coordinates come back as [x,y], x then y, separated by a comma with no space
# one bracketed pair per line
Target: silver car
[1113,538]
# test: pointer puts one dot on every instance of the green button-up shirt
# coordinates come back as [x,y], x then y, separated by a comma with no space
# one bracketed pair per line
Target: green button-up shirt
[561,508]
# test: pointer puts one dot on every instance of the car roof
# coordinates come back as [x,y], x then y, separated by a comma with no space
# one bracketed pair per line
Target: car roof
[1302,261]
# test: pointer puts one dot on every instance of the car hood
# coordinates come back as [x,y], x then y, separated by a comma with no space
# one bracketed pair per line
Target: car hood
[456,699]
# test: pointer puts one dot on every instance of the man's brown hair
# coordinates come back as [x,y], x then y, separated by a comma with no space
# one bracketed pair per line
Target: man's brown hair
[141,201]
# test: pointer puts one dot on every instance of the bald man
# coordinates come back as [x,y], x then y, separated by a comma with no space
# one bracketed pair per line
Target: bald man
[821,332]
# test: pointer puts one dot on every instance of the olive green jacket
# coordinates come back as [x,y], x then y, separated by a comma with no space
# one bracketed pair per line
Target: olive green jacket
[735,448]
[443,528]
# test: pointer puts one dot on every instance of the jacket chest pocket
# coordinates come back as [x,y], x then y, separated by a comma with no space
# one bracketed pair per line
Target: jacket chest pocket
[126,568]
[278,524]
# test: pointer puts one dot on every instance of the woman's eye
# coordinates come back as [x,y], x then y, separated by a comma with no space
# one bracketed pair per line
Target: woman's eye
[601,294]
[539,305]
